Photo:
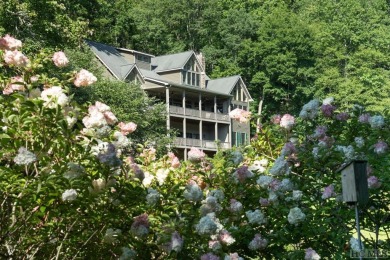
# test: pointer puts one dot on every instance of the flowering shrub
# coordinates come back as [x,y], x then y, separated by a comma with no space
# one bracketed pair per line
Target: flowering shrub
[73,184]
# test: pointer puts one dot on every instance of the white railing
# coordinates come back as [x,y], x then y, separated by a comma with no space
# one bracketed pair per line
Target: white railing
[196,113]
[207,144]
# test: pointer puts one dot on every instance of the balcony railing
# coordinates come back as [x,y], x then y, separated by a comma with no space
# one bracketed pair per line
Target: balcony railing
[207,144]
[175,110]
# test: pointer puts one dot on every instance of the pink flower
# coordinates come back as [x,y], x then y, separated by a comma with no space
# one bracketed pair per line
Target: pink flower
[328,192]
[225,237]
[84,78]
[240,115]
[59,59]
[9,43]
[364,118]
[327,110]
[195,155]
[16,84]
[287,121]
[380,147]
[310,254]
[275,119]
[127,128]
[110,117]
[175,163]
[34,78]
[15,58]
[373,182]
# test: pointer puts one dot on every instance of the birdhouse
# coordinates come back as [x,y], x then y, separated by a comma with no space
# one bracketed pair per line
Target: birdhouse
[354,182]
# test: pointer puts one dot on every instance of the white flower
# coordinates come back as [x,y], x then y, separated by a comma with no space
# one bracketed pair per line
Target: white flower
[24,157]
[259,165]
[69,195]
[99,184]
[54,96]
[328,101]
[255,217]
[148,179]
[161,175]
[296,216]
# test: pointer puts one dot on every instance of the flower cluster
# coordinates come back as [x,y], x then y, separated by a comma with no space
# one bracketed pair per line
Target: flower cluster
[140,226]
[24,157]
[84,78]
[256,217]
[195,155]
[310,110]
[311,254]
[258,243]
[287,121]
[295,216]
[240,115]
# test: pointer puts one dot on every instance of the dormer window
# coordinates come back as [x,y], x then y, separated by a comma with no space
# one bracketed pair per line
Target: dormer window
[142,57]
[191,73]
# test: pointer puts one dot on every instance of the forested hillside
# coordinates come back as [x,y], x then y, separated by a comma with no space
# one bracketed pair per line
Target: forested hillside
[287,51]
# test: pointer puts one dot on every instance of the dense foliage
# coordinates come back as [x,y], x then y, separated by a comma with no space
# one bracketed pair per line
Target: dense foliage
[287,51]
[74,183]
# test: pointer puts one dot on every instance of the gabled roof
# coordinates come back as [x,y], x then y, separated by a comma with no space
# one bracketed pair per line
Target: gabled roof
[226,85]
[171,61]
[112,59]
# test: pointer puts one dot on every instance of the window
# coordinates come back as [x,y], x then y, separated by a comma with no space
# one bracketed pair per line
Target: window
[239,138]
[191,73]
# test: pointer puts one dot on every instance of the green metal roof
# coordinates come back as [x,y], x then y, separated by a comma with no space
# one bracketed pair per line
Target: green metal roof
[224,85]
[171,61]
[112,59]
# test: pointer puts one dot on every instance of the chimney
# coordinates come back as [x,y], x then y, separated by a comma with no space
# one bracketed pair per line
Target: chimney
[202,61]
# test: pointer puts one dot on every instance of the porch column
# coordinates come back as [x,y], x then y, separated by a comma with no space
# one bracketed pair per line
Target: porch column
[215,107]
[167,104]
[200,105]
[201,133]
[184,102]
[185,131]
[216,131]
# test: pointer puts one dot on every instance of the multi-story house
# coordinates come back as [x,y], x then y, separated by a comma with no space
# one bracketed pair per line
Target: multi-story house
[197,107]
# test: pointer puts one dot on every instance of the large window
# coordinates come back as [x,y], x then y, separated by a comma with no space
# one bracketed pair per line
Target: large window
[191,73]
[239,138]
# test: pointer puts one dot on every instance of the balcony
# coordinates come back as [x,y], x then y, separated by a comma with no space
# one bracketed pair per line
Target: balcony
[206,144]
[175,110]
